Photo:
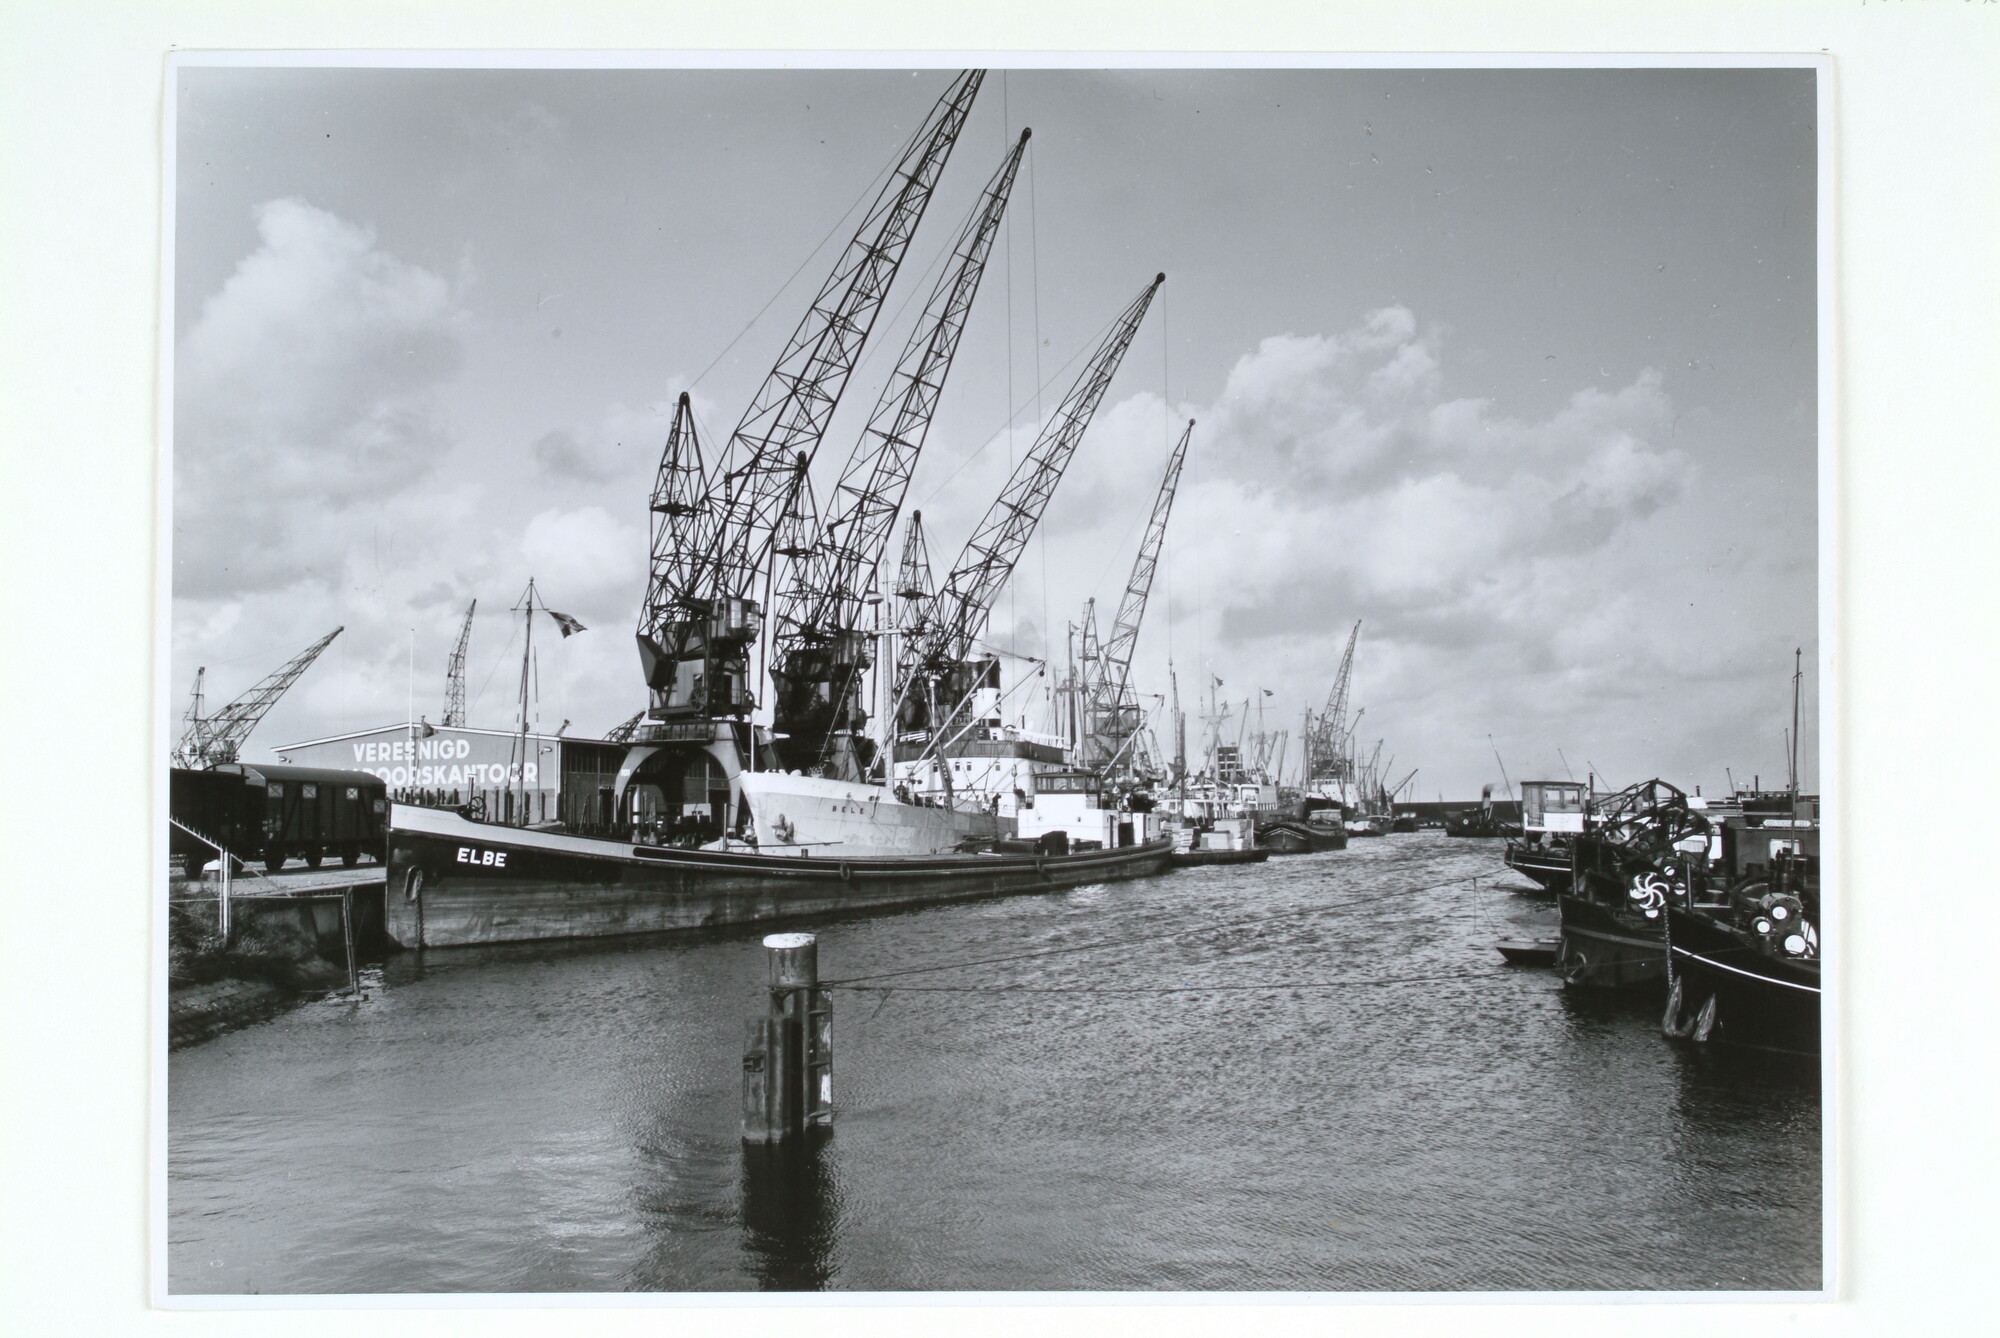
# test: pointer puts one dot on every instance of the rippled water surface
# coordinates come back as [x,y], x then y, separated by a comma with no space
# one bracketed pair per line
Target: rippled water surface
[563,1117]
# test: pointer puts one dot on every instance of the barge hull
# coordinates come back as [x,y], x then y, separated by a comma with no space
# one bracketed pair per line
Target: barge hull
[1765,1004]
[1600,952]
[1550,875]
[453,882]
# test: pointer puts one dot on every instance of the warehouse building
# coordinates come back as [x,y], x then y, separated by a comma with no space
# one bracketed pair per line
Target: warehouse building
[587,785]
[558,779]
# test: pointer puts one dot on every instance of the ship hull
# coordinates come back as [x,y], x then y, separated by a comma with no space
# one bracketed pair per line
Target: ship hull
[1191,859]
[1604,951]
[454,882]
[1289,837]
[1760,1002]
[1326,837]
[796,814]
[1548,870]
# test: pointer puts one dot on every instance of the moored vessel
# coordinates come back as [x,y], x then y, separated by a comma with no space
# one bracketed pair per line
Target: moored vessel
[1552,814]
[1744,943]
[1643,847]
[454,881]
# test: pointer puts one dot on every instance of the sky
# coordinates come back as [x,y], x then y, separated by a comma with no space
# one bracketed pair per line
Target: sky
[1516,367]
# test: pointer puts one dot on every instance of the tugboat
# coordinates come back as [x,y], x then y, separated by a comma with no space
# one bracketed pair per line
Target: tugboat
[1552,814]
[1645,847]
[1481,821]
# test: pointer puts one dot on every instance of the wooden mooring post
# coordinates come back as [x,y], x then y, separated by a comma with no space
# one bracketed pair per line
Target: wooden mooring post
[788,1059]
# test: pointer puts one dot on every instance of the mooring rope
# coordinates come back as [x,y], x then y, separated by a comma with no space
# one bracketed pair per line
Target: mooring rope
[886,990]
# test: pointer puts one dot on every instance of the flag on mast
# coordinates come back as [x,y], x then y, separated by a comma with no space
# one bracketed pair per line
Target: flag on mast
[570,626]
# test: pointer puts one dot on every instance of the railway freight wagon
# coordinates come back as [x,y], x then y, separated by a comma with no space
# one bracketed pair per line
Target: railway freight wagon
[280,813]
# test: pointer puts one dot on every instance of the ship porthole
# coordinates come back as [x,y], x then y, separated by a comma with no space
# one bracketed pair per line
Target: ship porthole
[846,872]
[413,884]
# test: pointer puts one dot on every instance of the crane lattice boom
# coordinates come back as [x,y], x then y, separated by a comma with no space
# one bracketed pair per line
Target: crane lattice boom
[219,738]
[913,578]
[1114,711]
[704,614]
[821,647]
[454,672]
[1328,751]
[962,605]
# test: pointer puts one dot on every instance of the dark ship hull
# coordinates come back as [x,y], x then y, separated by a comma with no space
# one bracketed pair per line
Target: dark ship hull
[453,882]
[1728,988]
[1547,867]
[1473,823]
[1604,949]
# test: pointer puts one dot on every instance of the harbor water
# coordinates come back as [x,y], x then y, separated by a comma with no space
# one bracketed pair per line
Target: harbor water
[1313,1074]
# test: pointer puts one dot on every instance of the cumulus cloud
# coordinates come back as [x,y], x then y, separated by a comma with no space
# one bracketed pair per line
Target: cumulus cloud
[309,382]
[1536,578]
[1562,581]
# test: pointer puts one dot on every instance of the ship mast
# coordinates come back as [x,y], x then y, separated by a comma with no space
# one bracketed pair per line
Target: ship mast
[527,650]
[1798,680]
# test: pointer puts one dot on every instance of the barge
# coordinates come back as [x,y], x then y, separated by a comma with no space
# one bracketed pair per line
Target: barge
[1641,850]
[1744,945]
[453,881]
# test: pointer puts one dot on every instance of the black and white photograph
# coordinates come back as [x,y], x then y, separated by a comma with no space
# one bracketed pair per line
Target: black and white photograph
[1094,677]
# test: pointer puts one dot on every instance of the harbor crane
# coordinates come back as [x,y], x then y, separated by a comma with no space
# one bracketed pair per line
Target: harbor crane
[210,741]
[1329,742]
[936,676]
[820,646]
[1112,713]
[714,527]
[454,673]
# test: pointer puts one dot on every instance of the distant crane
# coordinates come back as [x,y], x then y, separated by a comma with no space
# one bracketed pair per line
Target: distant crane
[213,740]
[1329,747]
[1113,714]
[454,673]
[937,667]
